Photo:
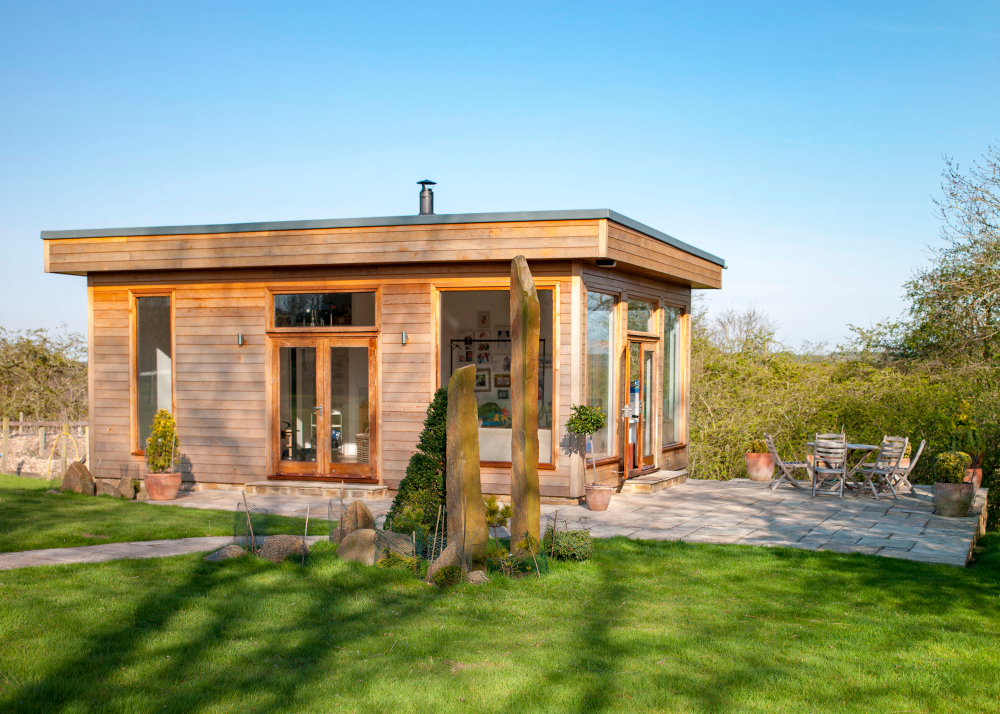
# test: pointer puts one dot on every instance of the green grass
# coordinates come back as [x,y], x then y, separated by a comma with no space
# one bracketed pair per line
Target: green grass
[644,627]
[31,519]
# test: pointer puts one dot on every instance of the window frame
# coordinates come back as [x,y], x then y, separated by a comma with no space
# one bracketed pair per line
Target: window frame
[682,369]
[614,367]
[501,285]
[134,294]
[655,302]
[322,289]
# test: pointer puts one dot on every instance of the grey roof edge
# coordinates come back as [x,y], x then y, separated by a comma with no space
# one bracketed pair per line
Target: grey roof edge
[431,220]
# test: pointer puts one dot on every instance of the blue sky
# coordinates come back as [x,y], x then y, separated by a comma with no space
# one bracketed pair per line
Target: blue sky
[801,143]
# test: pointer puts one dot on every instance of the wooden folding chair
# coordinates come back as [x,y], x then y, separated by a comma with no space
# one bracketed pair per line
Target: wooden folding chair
[901,476]
[786,469]
[886,464]
[829,462]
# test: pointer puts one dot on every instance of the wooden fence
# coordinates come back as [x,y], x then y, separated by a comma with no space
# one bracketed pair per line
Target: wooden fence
[19,427]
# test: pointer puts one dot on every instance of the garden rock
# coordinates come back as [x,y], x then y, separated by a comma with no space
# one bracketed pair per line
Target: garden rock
[464,488]
[107,488]
[452,555]
[358,546]
[54,492]
[124,488]
[477,577]
[78,480]
[230,551]
[277,548]
[355,517]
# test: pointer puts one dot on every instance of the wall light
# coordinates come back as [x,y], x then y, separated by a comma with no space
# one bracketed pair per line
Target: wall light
[240,339]
[405,338]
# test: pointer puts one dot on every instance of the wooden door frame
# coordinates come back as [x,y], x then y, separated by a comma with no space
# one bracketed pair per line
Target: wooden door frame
[648,344]
[324,470]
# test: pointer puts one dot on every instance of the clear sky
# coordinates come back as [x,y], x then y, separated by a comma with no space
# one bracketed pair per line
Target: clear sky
[801,143]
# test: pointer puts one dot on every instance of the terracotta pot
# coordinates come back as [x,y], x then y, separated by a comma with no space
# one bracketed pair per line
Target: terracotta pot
[974,476]
[953,499]
[599,496]
[760,467]
[163,487]
[904,463]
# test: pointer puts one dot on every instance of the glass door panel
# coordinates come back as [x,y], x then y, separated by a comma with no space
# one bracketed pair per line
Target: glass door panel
[634,403]
[640,451]
[350,427]
[299,412]
[646,413]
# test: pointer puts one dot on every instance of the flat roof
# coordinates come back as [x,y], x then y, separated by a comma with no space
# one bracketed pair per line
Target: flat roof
[425,220]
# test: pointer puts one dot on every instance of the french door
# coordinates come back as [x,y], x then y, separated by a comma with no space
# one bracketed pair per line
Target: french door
[639,432]
[323,408]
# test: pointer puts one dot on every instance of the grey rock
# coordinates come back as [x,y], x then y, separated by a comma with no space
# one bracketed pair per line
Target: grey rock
[452,555]
[78,480]
[277,548]
[230,551]
[477,577]
[107,488]
[125,489]
[355,517]
[358,546]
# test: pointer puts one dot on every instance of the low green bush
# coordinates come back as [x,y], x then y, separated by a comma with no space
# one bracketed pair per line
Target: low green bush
[569,545]
[757,446]
[395,560]
[950,466]
[447,576]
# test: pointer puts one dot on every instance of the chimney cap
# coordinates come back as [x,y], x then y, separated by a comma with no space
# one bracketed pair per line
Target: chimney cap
[425,183]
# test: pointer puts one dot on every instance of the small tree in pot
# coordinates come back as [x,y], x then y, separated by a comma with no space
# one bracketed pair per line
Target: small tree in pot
[760,463]
[952,493]
[162,482]
[965,438]
[585,421]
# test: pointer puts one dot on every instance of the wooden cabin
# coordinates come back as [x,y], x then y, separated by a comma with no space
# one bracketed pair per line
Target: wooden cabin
[308,351]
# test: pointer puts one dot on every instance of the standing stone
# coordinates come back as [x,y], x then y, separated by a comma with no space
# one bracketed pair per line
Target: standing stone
[78,480]
[464,488]
[355,517]
[125,488]
[525,324]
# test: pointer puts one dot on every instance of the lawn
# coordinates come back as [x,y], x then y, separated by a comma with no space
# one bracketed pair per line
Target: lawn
[32,519]
[644,627]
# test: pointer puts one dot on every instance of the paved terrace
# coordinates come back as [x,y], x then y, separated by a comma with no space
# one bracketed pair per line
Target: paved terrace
[737,511]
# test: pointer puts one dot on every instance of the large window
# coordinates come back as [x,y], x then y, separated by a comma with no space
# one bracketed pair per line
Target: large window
[671,370]
[640,315]
[324,310]
[475,329]
[153,361]
[601,366]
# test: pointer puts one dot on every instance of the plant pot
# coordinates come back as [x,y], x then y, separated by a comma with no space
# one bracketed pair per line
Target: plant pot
[953,499]
[760,467]
[974,476]
[163,487]
[599,496]
[904,463]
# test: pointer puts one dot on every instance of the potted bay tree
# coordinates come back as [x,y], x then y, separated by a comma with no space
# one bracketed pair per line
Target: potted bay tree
[585,421]
[952,493]
[162,482]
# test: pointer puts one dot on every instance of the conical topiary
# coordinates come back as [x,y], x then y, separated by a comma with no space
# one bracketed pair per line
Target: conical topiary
[423,486]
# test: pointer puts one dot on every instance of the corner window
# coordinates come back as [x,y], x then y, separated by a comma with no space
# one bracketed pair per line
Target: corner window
[475,329]
[601,367]
[671,375]
[154,384]
[640,315]
[307,310]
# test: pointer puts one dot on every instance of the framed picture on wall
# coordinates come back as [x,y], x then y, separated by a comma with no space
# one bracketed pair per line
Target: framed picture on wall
[503,339]
[467,336]
[503,394]
[482,383]
[501,380]
[483,320]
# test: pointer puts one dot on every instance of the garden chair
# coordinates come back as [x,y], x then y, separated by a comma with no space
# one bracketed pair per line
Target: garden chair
[901,476]
[880,472]
[786,469]
[829,461]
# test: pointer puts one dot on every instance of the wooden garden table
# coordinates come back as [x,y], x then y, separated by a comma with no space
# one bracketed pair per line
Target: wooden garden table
[866,448]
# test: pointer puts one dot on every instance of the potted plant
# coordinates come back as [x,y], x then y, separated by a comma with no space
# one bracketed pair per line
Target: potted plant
[760,463]
[965,438]
[952,493]
[585,421]
[162,482]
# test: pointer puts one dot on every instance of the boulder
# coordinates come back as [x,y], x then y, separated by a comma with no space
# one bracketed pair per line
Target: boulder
[398,543]
[358,546]
[451,555]
[477,577]
[124,488]
[464,488]
[106,488]
[78,480]
[143,494]
[277,548]
[230,551]
[355,517]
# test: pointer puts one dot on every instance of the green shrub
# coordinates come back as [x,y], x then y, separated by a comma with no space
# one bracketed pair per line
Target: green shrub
[569,545]
[757,446]
[950,466]
[448,575]
[586,420]
[162,444]
[395,560]
[423,486]
[409,521]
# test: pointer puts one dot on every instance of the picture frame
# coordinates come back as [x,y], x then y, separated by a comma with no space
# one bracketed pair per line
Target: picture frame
[467,336]
[483,320]
[484,335]
[502,333]
[501,380]
[503,394]
[482,381]
[483,358]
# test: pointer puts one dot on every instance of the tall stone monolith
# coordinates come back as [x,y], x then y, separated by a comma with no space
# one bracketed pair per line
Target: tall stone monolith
[466,509]
[525,323]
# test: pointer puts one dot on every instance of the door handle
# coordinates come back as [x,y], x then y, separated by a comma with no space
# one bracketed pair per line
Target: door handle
[319,409]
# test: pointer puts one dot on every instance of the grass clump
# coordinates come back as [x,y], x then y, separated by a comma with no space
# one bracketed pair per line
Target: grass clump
[447,576]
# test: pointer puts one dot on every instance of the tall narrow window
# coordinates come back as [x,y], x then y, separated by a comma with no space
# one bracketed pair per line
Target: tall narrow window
[153,359]
[600,366]
[640,315]
[671,375]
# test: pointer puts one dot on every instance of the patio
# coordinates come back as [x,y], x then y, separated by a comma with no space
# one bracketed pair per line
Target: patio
[738,511]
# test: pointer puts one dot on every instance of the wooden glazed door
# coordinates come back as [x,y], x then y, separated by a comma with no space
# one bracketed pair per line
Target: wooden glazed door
[323,413]
[640,442]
